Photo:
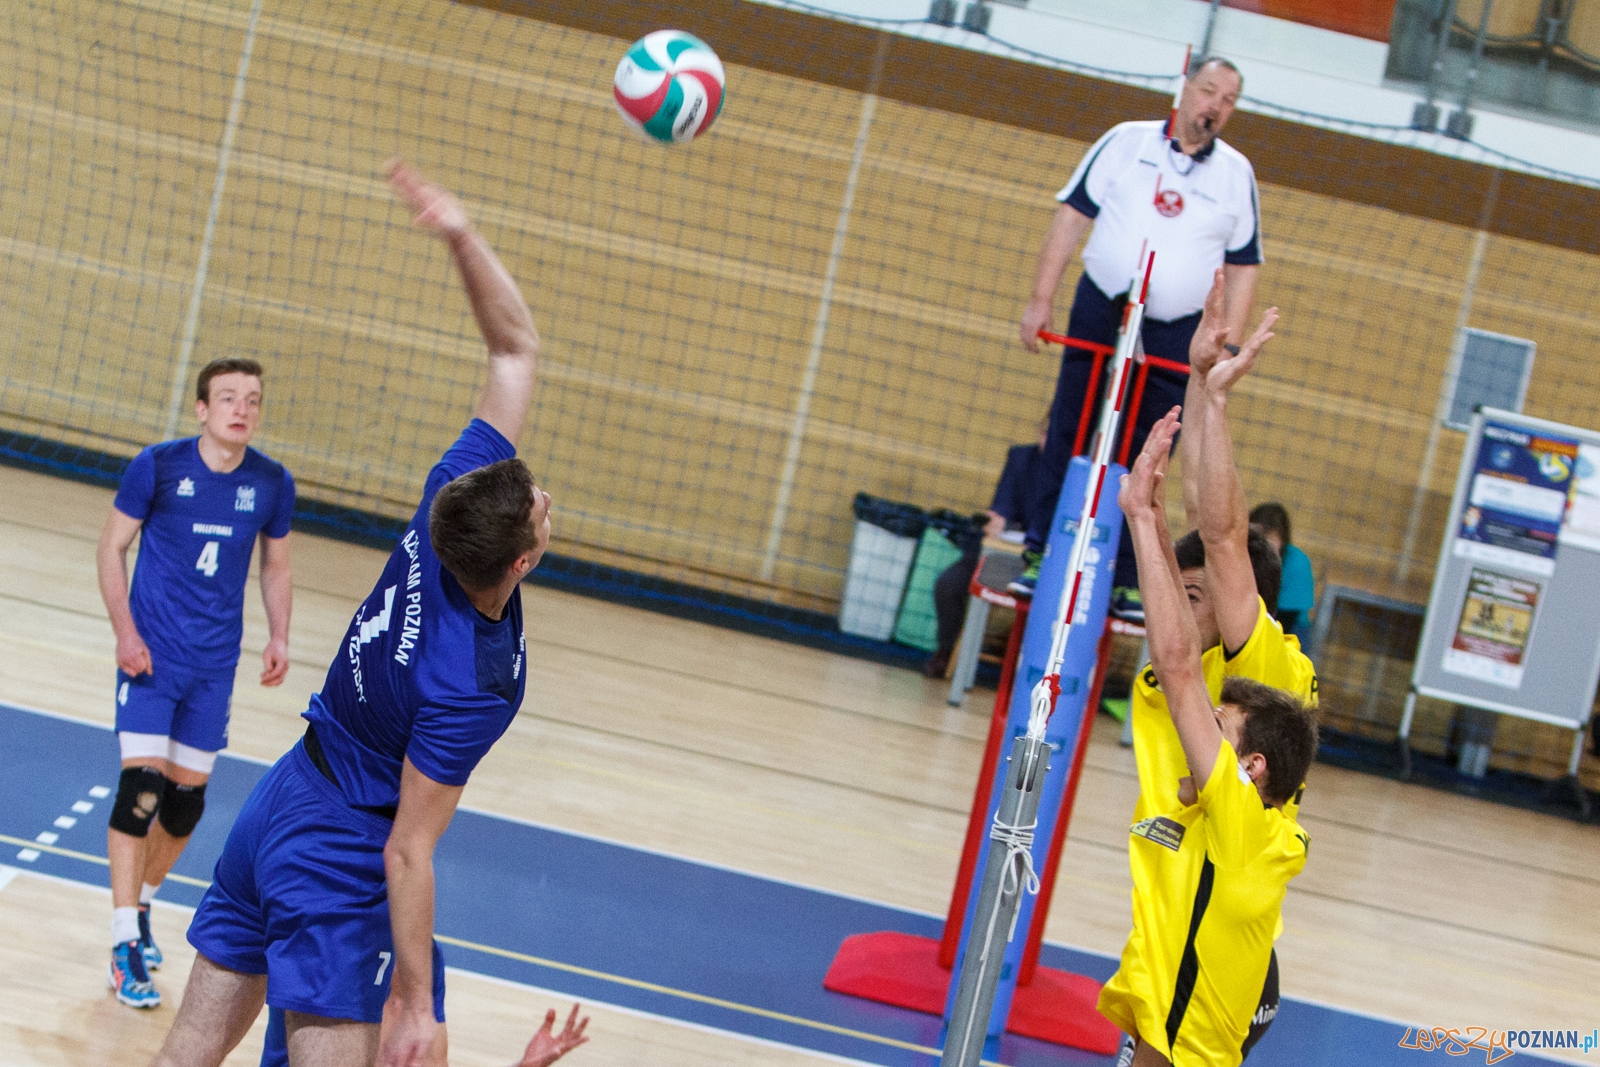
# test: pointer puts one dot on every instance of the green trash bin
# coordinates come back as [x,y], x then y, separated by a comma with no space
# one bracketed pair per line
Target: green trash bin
[948,537]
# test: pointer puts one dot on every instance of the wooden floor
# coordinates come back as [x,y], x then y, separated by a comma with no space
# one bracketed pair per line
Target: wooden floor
[787,762]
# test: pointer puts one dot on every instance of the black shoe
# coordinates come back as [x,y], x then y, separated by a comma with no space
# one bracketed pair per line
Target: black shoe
[937,665]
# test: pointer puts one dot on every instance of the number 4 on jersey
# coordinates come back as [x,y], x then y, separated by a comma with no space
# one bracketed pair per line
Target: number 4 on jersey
[208,559]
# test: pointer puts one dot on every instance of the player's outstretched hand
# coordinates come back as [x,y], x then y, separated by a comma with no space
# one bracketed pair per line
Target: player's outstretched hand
[1205,347]
[438,211]
[133,655]
[1141,493]
[548,1046]
[1231,368]
[275,662]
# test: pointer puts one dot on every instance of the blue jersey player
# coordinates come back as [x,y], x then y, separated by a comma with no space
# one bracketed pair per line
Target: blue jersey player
[322,902]
[198,506]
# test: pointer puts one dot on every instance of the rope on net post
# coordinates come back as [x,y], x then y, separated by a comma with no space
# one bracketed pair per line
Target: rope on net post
[1010,869]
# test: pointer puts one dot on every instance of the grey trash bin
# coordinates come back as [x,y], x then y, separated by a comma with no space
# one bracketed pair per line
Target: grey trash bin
[881,552]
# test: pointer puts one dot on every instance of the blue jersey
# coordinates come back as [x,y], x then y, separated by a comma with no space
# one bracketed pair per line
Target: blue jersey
[421,673]
[200,527]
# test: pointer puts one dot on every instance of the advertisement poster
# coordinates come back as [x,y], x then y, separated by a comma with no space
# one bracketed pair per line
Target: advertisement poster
[1518,499]
[1582,525]
[1491,640]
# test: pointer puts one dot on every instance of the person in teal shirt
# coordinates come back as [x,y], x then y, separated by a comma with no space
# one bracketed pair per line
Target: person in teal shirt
[1298,593]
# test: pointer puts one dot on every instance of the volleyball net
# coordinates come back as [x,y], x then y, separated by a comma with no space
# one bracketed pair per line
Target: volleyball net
[819,298]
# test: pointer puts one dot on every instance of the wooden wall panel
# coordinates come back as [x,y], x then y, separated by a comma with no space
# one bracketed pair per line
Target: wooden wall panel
[679,291]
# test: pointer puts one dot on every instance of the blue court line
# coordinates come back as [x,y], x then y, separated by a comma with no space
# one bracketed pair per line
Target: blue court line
[611,924]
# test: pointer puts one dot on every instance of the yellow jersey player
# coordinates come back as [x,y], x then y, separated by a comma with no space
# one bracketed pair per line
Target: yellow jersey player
[1232,574]
[1213,858]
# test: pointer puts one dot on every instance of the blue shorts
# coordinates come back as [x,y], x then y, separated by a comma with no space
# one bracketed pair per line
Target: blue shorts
[190,707]
[300,896]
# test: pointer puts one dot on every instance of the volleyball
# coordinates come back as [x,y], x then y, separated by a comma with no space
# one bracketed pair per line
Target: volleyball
[669,86]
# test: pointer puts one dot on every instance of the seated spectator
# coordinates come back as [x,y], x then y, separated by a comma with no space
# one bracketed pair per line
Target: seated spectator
[1298,594]
[1017,499]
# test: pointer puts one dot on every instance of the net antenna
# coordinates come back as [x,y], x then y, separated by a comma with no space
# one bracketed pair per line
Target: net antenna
[1177,93]
[1048,688]
[1010,868]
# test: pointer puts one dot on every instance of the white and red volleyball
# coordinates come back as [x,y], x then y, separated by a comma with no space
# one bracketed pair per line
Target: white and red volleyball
[669,86]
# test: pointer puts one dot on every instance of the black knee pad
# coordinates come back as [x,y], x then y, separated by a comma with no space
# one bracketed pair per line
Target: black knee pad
[139,792]
[181,808]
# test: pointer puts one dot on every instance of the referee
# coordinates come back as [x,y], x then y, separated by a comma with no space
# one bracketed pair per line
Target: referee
[1192,198]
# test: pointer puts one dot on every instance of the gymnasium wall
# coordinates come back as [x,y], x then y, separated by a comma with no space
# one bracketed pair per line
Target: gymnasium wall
[728,355]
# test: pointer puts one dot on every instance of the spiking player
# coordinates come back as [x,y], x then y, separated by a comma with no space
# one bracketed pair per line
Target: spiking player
[322,902]
[201,503]
[1215,852]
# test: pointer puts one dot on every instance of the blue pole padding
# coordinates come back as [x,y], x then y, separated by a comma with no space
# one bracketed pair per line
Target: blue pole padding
[1077,671]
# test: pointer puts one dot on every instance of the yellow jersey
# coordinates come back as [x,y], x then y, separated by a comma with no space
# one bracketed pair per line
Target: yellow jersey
[1209,881]
[1269,656]
[1185,986]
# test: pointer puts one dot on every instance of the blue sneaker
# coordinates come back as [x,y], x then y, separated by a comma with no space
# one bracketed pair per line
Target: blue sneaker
[147,944]
[1024,583]
[129,978]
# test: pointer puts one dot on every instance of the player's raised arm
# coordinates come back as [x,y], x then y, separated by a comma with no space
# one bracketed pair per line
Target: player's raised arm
[503,316]
[1204,349]
[1224,517]
[1169,623]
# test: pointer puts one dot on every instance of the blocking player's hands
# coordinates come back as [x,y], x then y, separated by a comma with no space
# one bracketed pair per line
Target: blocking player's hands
[438,211]
[133,655]
[1206,346]
[275,662]
[1231,367]
[548,1046]
[1142,493]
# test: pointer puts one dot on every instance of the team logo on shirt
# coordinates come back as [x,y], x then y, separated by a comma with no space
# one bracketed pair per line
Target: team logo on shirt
[1168,833]
[186,487]
[245,500]
[1169,202]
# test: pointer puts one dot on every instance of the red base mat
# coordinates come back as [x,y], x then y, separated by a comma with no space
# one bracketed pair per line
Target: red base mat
[903,970]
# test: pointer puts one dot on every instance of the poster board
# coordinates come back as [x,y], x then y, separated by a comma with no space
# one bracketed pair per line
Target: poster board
[1512,623]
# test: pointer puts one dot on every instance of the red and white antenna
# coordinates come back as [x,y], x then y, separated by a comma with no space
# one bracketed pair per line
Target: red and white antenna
[1049,687]
[1177,94]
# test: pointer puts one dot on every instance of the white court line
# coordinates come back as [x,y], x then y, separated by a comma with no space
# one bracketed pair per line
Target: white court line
[653,1017]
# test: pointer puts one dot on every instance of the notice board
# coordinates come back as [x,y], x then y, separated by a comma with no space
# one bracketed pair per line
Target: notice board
[1513,622]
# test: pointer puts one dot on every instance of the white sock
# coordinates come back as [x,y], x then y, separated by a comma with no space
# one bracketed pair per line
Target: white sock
[147,893]
[124,925]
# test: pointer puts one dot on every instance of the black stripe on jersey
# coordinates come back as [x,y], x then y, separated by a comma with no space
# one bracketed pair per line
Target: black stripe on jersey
[1189,967]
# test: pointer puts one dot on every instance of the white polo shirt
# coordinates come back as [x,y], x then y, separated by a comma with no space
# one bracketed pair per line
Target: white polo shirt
[1196,212]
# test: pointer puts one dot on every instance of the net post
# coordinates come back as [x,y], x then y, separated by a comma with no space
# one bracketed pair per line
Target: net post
[982,794]
[1007,875]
